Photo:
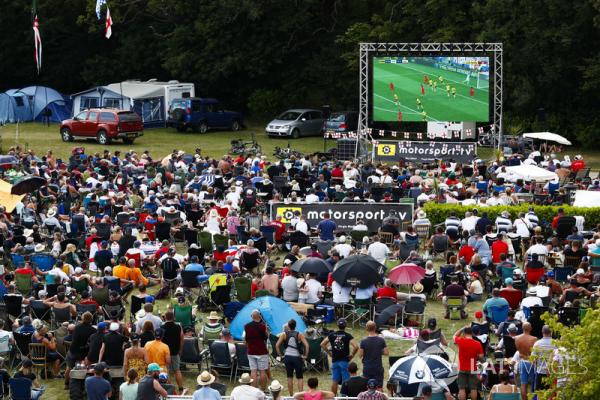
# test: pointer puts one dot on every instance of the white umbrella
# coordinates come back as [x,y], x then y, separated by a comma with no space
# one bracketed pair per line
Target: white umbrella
[548,137]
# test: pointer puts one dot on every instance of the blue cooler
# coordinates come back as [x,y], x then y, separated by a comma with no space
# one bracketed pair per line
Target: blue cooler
[329,316]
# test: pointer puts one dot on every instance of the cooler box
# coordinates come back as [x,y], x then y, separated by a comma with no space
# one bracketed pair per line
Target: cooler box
[329,316]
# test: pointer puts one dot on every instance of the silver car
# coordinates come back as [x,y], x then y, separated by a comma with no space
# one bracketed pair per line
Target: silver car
[296,123]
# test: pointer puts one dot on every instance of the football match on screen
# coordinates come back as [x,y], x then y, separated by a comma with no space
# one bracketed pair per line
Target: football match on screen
[409,89]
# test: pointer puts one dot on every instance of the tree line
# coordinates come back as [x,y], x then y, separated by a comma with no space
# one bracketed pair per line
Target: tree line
[261,56]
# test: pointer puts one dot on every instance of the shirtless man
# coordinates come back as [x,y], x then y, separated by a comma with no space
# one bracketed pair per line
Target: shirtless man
[524,343]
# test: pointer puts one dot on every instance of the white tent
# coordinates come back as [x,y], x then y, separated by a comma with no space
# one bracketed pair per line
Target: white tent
[586,198]
[548,137]
[529,173]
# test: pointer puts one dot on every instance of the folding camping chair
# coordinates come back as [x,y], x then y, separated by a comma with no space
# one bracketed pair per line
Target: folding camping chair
[221,359]
[455,307]
[191,353]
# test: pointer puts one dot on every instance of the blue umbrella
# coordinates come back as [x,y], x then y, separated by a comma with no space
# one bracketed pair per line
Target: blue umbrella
[409,372]
[275,312]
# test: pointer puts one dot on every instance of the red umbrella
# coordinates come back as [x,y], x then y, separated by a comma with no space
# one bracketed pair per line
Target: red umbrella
[406,274]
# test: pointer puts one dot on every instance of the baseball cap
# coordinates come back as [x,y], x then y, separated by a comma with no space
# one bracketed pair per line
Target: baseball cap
[550,274]
[101,326]
[287,261]
[107,270]
[159,333]
[341,323]
[512,328]
[226,332]
[163,376]
[372,384]
[114,326]
[154,367]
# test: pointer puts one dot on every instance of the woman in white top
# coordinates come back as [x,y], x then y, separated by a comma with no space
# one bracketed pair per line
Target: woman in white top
[128,389]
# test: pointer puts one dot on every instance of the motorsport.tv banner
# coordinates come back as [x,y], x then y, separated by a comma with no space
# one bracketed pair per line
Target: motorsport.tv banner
[388,150]
[344,214]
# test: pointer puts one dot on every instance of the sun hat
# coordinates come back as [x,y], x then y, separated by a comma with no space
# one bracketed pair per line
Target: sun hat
[205,378]
[213,315]
[275,386]
[245,379]
[179,290]
[422,214]
[39,248]
[79,270]
[417,287]
[154,367]
[51,213]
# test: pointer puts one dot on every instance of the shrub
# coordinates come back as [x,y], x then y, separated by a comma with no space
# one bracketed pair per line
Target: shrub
[437,213]
[264,103]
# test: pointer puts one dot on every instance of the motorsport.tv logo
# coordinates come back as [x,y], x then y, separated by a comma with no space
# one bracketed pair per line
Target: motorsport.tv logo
[341,216]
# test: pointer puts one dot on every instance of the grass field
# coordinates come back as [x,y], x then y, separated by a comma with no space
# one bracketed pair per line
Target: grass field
[407,80]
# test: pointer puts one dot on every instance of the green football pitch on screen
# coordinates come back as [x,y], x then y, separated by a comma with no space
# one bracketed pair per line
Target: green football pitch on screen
[409,89]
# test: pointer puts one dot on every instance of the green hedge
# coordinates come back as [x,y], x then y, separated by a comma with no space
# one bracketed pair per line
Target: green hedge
[437,213]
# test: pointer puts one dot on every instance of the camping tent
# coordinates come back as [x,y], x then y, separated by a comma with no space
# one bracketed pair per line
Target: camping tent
[14,107]
[529,173]
[275,312]
[33,103]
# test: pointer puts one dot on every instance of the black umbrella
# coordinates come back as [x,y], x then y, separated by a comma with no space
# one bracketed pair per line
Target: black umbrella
[28,185]
[312,265]
[360,270]
[387,314]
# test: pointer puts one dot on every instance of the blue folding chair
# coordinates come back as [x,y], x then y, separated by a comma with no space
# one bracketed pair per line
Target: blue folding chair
[43,261]
[561,274]
[20,388]
[498,314]
[18,260]
[268,233]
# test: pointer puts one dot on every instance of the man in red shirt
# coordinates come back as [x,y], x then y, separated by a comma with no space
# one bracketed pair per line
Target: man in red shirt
[466,252]
[27,269]
[499,247]
[258,355]
[577,164]
[469,352]
[386,291]
[560,213]
[279,229]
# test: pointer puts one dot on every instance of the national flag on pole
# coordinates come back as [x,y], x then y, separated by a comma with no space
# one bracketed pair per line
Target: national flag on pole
[38,44]
[108,31]
[99,4]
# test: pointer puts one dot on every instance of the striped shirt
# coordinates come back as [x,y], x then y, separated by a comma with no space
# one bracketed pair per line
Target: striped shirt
[531,217]
[503,224]
[452,225]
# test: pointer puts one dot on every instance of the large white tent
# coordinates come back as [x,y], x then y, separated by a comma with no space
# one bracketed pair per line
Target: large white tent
[586,198]
[548,137]
[529,173]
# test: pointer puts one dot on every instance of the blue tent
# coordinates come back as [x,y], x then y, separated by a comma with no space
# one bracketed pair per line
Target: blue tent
[14,107]
[33,103]
[275,313]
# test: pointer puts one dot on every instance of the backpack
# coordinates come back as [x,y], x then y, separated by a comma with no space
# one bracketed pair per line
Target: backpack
[299,346]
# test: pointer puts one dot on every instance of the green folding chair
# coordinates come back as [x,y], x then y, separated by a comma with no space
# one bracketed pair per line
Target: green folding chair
[205,240]
[243,288]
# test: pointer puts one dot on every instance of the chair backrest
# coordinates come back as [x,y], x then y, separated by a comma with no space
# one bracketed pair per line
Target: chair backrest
[561,274]
[37,353]
[513,297]
[440,243]
[39,310]
[205,240]
[219,353]
[415,305]
[82,308]
[13,304]
[261,293]
[189,279]
[484,328]
[314,349]
[268,232]
[112,283]
[299,239]
[261,245]
[23,283]
[79,284]
[20,388]
[183,315]
[507,272]
[163,231]
[43,262]
[498,314]
[386,238]
[383,303]
[572,261]
[61,314]
[454,301]
[509,346]
[243,288]
[241,356]
[17,260]
[191,351]
[22,340]
[100,295]
[423,230]
[568,316]
[221,240]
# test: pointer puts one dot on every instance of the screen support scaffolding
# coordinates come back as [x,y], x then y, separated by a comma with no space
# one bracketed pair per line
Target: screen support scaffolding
[368,50]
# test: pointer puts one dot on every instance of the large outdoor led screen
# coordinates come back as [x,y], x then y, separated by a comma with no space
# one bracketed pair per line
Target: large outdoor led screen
[431,89]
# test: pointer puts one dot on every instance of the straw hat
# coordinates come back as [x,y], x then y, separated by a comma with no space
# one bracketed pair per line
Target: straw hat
[51,213]
[275,386]
[205,378]
[422,214]
[417,287]
[39,248]
[245,379]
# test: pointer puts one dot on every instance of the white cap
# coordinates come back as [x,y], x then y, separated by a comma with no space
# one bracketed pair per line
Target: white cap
[114,326]
[287,261]
[79,270]
[518,271]
[579,271]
